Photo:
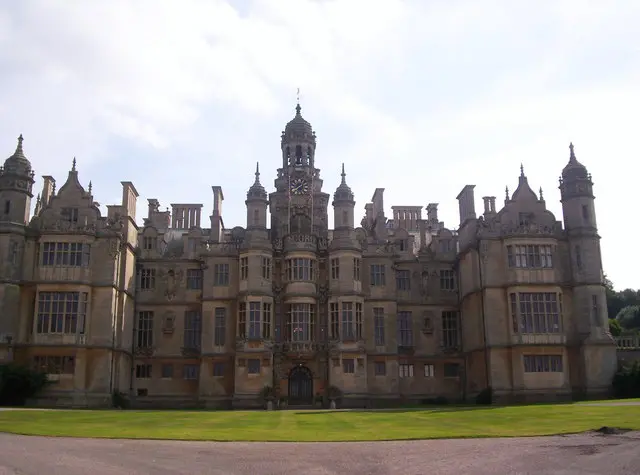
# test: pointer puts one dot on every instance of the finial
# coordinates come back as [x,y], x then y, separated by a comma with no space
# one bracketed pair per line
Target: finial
[541,196]
[298,108]
[506,191]
[73,165]
[53,191]
[257,173]
[343,174]
[572,155]
[90,187]
[38,199]
[521,169]
[19,147]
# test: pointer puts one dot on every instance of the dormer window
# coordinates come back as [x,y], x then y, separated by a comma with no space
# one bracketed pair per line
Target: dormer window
[149,242]
[70,214]
[445,245]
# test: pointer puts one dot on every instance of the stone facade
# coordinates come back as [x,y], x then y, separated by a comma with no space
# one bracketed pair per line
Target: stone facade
[404,309]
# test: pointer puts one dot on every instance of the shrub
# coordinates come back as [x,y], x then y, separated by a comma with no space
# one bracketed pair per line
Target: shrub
[485,397]
[19,383]
[334,393]
[119,400]
[435,401]
[626,382]
[267,394]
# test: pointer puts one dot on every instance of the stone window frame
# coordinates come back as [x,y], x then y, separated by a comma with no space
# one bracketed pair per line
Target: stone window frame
[221,274]
[405,370]
[533,363]
[429,370]
[380,368]
[348,366]
[377,275]
[254,366]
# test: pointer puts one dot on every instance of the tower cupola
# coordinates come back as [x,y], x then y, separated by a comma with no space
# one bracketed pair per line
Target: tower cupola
[343,192]
[574,170]
[257,191]
[17,164]
[257,202]
[16,185]
[343,204]
[298,142]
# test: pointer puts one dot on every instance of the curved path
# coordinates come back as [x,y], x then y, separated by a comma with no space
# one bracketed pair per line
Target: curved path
[559,455]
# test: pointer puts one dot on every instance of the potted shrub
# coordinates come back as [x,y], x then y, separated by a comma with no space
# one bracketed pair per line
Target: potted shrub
[267,395]
[334,395]
[318,399]
[282,403]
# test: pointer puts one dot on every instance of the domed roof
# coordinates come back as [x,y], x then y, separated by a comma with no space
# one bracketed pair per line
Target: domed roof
[574,170]
[18,164]
[298,127]
[343,192]
[257,190]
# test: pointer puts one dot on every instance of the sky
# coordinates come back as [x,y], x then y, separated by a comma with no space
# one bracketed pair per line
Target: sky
[420,97]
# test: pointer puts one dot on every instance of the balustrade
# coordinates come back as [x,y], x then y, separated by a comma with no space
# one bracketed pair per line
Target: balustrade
[628,342]
[539,339]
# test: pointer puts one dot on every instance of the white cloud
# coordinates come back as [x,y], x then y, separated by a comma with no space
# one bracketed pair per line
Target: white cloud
[417,97]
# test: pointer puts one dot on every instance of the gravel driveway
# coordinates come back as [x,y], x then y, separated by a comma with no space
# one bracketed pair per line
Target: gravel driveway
[566,455]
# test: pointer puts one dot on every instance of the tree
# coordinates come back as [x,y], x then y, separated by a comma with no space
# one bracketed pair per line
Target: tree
[614,327]
[619,301]
[629,317]
[19,383]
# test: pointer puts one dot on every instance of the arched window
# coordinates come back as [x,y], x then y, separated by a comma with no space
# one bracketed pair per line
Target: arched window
[256,216]
[345,218]
[298,154]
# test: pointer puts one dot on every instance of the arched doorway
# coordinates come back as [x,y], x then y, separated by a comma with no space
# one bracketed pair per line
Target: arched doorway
[300,386]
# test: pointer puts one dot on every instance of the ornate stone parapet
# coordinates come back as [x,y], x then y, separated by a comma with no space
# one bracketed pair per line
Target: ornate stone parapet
[539,339]
[300,242]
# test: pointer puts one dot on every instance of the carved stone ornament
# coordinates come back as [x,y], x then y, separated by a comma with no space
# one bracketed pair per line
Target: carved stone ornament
[424,281]
[168,323]
[427,324]
[173,280]
[190,352]
[144,351]
[484,252]
[323,294]
[114,247]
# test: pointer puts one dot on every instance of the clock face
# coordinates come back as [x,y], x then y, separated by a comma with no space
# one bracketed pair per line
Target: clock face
[299,186]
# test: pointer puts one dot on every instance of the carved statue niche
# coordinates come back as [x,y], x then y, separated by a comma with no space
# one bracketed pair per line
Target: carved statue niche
[424,282]
[114,247]
[168,323]
[427,322]
[172,280]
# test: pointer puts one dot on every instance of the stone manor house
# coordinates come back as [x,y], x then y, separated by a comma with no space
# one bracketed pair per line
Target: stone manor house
[174,312]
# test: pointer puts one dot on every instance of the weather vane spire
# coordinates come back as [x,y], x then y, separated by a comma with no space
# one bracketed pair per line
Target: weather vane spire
[298,96]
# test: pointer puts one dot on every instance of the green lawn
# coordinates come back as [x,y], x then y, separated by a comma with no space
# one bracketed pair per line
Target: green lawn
[426,423]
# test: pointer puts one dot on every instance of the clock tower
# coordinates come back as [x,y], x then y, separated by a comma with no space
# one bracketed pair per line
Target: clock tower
[298,206]
[16,182]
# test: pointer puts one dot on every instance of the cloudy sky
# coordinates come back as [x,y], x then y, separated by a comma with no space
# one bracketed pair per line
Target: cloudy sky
[419,97]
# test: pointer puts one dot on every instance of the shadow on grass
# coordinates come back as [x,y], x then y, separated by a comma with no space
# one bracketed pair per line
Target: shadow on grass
[438,409]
